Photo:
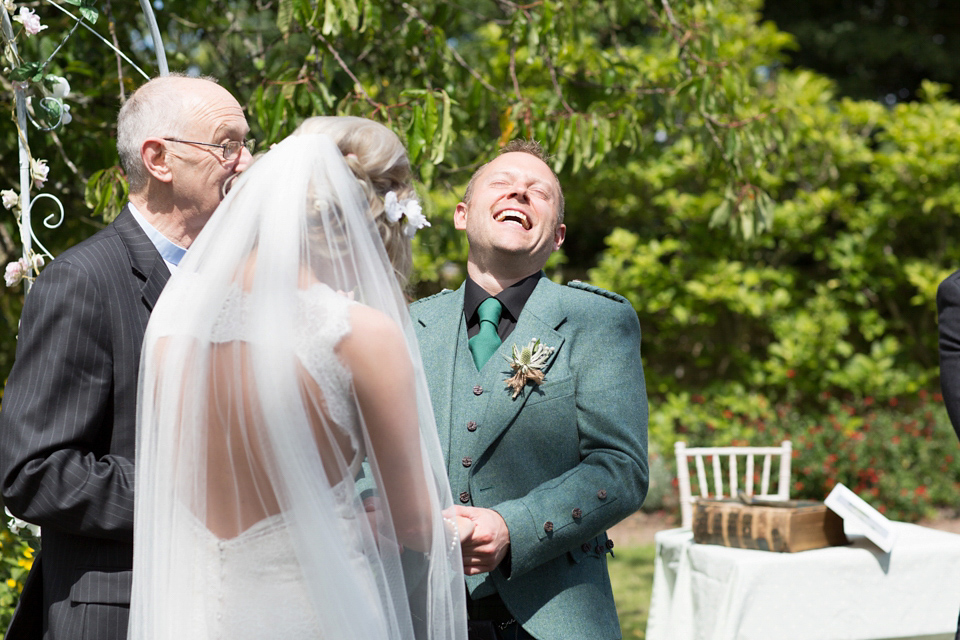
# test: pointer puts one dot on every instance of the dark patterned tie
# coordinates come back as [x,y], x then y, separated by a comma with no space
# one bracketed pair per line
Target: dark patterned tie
[483,345]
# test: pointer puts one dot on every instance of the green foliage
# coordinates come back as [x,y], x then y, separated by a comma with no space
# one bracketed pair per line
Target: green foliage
[87,9]
[874,49]
[16,558]
[892,454]
[839,295]
[106,193]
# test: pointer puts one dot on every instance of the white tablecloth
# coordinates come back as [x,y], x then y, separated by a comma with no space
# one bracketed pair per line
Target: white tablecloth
[709,592]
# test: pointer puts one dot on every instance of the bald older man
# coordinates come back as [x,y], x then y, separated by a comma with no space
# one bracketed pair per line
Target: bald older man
[69,409]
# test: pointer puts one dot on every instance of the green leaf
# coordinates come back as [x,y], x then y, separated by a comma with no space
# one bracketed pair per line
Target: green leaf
[577,125]
[285,12]
[567,129]
[28,71]
[89,13]
[276,118]
[106,192]
[50,111]
[430,118]
[446,130]
[331,20]
[415,138]
[720,215]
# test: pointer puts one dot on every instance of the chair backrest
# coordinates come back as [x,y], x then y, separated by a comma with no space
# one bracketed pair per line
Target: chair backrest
[736,481]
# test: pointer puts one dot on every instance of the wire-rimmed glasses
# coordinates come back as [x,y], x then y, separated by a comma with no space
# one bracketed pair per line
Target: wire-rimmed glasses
[230,149]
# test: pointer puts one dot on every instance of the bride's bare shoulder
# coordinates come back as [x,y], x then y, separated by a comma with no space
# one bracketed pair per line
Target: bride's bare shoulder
[373,336]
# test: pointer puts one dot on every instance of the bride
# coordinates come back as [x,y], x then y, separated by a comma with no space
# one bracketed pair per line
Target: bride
[278,359]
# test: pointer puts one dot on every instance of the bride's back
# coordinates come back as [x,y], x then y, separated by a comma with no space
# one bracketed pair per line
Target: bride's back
[240,489]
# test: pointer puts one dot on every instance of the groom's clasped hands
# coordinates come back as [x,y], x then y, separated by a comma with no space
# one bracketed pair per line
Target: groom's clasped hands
[484,538]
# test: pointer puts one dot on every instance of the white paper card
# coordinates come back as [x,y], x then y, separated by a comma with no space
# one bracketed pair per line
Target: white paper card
[863,518]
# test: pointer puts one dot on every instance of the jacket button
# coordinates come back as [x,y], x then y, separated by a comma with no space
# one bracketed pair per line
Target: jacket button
[467,461]
[609,544]
[577,513]
[599,549]
[471,426]
[548,526]
[585,547]
[602,494]
[477,390]
[465,497]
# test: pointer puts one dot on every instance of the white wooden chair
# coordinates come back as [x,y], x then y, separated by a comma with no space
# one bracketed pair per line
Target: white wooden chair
[736,481]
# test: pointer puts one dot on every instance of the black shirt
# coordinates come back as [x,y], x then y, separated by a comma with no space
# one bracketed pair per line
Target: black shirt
[512,299]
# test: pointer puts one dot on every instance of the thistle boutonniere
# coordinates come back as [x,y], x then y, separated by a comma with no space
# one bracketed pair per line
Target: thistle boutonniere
[527,364]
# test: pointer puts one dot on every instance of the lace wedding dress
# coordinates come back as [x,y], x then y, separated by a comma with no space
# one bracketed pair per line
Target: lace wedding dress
[253,429]
[253,577]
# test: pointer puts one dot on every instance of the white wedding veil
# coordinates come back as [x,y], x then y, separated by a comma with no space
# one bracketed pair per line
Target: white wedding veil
[279,356]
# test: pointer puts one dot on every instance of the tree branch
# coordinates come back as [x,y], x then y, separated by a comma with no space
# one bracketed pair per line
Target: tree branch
[343,65]
[111,26]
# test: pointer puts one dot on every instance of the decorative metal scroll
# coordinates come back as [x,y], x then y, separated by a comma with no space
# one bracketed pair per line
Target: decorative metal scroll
[27,235]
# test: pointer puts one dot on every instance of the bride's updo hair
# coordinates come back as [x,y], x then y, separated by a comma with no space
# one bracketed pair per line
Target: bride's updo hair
[377,158]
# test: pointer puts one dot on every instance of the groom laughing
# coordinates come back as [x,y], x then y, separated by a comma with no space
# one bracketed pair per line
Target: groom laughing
[541,406]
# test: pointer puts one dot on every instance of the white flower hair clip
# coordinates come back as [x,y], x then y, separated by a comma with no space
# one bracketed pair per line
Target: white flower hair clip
[409,208]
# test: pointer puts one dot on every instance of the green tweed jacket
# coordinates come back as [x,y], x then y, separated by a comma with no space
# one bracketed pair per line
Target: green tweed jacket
[562,462]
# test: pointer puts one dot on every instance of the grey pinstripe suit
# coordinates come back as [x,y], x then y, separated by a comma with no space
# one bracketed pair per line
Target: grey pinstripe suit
[68,423]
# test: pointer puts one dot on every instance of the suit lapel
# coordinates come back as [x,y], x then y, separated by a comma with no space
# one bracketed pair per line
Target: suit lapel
[438,326]
[146,260]
[540,318]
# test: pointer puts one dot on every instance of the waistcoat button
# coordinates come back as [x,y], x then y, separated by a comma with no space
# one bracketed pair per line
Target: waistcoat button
[477,390]
[465,497]
[471,426]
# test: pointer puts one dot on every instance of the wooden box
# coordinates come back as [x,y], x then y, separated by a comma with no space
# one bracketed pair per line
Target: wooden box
[791,525]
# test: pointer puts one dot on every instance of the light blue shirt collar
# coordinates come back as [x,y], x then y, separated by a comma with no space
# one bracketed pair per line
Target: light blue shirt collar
[170,252]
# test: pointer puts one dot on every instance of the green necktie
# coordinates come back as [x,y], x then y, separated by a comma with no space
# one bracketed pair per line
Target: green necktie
[486,341]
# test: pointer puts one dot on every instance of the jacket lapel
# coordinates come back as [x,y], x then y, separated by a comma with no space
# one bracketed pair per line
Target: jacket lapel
[144,257]
[540,318]
[438,327]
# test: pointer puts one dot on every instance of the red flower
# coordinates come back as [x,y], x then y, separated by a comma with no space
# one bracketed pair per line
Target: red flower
[791,373]
[923,394]
[895,439]
[798,486]
[920,491]
[867,401]
[938,397]
[894,402]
